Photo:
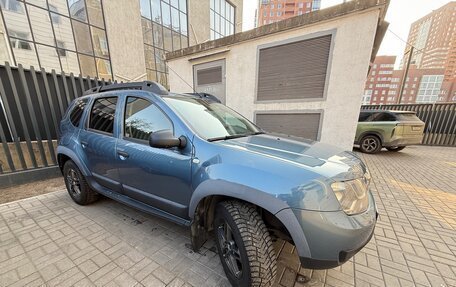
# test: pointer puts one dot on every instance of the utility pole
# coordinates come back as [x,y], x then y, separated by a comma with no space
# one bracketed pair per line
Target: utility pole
[404,79]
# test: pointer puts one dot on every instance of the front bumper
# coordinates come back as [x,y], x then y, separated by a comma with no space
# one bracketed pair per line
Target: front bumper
[334,237]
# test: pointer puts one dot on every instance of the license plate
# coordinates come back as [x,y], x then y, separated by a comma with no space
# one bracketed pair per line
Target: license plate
[416,128]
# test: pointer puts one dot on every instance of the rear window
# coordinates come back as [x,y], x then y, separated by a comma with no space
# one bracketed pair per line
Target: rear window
[407,118]
[363,116]
[78,109]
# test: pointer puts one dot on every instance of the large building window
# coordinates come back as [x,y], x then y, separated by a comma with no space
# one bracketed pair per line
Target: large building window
[222,19]
[429,88]
[316,4]
[367,97]
[164,27]
[62,35]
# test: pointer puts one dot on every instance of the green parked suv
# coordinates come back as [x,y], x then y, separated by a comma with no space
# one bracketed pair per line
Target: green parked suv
[393,130]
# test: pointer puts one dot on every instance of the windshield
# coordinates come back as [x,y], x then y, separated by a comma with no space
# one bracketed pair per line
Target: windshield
[210,120]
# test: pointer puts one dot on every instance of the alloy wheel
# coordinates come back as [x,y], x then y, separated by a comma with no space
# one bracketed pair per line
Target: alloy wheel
[370,144]
[74,183]
[230,250]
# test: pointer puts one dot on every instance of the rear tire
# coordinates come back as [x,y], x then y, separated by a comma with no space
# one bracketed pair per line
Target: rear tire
[395,148]
[76,184]
[370,144]
[244,245]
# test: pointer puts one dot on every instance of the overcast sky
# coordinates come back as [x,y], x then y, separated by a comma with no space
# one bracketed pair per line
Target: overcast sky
[401,14]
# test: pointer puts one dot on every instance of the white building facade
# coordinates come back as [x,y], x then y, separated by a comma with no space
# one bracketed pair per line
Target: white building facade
[303,76]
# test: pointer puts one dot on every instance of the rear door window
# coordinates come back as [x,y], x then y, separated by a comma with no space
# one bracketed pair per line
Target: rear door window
[78,110]
[102,115]
[384,117]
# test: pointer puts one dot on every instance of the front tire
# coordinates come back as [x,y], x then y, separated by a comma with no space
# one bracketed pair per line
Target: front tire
[76,184]
[244,245]
[370,144]
[395,148]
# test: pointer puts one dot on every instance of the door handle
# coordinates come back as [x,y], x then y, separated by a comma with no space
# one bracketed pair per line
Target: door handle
[84,144]
[122,154]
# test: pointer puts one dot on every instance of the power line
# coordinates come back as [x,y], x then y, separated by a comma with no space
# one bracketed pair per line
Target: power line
[406,42]
[182,79]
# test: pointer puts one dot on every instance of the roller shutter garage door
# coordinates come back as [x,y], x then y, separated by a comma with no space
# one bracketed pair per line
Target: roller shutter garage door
[294,71]
[305,125]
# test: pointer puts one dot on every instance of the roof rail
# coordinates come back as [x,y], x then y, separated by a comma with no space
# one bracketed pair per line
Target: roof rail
[205,96]
[150,86]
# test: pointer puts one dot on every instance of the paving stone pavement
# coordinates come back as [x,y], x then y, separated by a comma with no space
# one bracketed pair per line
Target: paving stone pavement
[49,240]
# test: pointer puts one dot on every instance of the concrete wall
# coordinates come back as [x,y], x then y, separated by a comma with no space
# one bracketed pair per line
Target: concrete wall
[125,40]
[353,43]
[239,12]
[199,20]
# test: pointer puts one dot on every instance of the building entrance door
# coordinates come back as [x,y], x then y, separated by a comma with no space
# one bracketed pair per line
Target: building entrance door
[210,78]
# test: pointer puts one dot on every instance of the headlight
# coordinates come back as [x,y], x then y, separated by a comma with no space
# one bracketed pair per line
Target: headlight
[352,195]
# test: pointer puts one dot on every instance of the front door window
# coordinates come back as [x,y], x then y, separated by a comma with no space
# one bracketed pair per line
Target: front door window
[143,118]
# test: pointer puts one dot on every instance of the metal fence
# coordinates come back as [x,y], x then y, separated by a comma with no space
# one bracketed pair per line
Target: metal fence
[440,120]
[32,103]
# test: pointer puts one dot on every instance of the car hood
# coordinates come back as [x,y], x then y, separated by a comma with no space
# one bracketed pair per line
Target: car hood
[323,159]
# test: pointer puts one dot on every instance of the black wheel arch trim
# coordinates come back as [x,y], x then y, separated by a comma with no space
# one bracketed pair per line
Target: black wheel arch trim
[72,155]
[276,207]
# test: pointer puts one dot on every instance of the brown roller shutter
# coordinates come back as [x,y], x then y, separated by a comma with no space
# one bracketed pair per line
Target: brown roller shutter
[209,76]
[304,125]
[294,71]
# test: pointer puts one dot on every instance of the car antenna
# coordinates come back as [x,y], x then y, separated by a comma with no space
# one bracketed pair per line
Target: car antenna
[191,87]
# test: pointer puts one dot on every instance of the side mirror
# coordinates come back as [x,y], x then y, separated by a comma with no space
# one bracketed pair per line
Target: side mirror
[166,139]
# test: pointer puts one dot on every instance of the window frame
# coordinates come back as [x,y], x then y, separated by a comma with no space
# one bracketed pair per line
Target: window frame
[216,14]
[124,111]
[57,15]
[8,5]
[81,120]
[88,128]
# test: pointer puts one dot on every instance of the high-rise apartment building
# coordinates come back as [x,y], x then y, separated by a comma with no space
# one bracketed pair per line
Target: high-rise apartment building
[383,84]
[110,39]
[271,11]
[434,41]
[432,72]
[379,80]
[421,86]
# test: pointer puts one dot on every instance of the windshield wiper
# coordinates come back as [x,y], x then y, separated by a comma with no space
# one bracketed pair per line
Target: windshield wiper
[228,137]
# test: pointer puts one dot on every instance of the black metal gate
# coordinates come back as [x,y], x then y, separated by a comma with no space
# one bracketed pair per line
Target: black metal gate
[31,106]
[440,120]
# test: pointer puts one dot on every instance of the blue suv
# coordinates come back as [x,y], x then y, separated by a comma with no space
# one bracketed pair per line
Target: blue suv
[193,161]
